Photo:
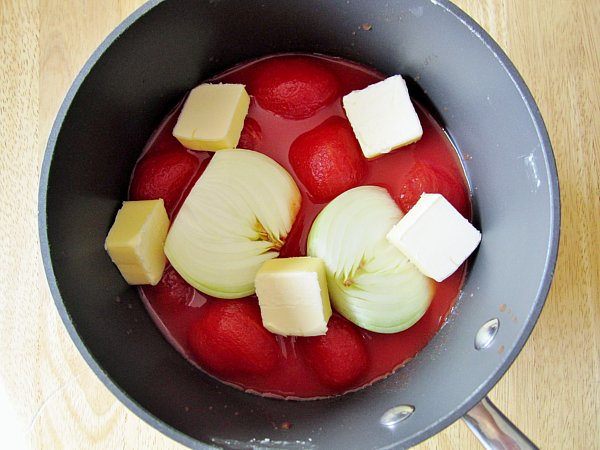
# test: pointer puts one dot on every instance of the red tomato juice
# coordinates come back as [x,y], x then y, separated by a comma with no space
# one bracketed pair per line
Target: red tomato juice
[272,135]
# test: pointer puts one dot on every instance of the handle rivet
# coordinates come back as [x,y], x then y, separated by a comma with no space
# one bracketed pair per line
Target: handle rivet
[395,415]
[486,334]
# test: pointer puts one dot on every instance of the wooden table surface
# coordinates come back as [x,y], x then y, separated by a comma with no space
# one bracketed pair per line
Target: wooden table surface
[553,389]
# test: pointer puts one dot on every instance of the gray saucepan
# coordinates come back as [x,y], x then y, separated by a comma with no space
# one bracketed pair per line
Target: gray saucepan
[145,67]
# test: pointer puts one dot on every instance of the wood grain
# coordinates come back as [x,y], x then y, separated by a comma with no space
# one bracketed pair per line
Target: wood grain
[553,389]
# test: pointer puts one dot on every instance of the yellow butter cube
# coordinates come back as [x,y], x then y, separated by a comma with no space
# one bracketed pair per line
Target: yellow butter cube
[293,296]
[212,117]
[135,241]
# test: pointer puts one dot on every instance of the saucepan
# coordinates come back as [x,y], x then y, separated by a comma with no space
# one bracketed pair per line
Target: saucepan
[167,47]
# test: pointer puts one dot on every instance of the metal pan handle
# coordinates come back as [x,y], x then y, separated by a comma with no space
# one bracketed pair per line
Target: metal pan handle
[494,430]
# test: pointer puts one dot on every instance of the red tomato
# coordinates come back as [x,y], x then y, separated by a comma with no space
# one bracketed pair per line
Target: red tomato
[328,159]
[171,290]
[251,135]
[339,358]
[426,178]
[229,338]
[293,87]
[163,175]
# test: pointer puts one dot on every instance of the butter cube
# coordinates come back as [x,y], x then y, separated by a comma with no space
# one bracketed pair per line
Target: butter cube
[136,239]
[293,296]
[382,116]
[435,237]
[212,117]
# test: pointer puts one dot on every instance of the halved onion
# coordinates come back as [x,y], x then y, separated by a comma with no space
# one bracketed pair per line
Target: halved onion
[237,215]
[370,282]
